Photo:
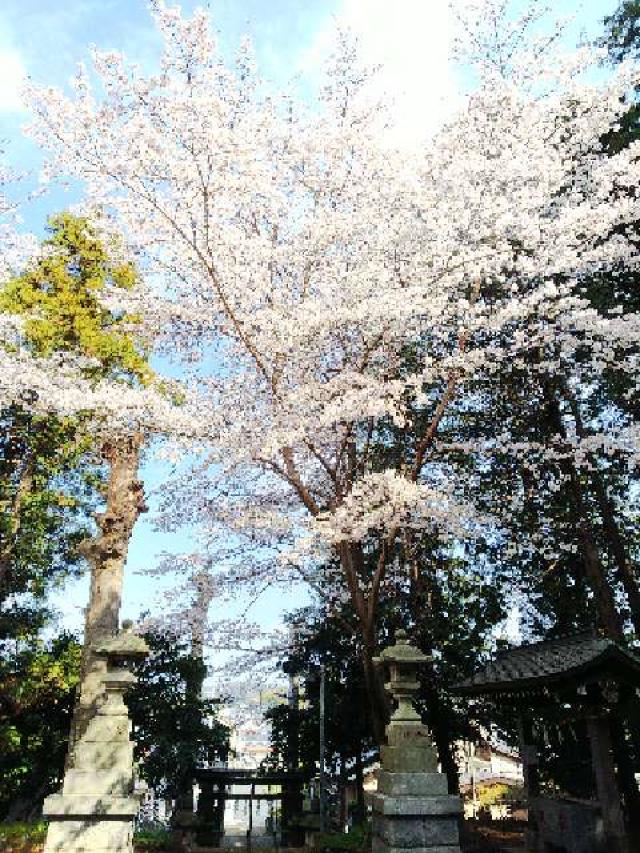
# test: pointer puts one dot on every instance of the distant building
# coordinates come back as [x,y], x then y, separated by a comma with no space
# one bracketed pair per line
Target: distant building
[249,745]
[488,762]
[484,766]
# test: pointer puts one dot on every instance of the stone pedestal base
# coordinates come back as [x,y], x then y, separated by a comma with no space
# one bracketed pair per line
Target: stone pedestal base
[86,834]
[424,820]
[95,810]
[84,823]
[412,811]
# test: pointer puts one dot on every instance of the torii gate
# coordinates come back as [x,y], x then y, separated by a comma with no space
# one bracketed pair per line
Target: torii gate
[208,822]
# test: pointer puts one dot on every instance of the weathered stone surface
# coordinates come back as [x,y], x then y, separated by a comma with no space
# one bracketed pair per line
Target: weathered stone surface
[116,782]
[87,836]
[405,806]
[78,805]
[415,831]
[107,728]
[104,756]
[420,784]
[411,734]
[408,759]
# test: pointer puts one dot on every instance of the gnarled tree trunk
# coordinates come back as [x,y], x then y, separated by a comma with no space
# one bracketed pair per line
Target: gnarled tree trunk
[106,554]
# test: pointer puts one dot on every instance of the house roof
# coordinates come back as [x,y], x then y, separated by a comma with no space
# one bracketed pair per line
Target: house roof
[560,662]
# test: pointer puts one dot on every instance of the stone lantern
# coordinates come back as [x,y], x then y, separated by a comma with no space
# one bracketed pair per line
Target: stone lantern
[402,662]
[96,807]
[413,813]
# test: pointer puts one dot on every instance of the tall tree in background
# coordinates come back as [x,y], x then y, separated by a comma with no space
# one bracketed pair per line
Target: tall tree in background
[174,729]
[321,639]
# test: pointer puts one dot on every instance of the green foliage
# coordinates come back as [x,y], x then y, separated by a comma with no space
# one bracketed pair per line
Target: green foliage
[174,728]
[359,838]
[23,837]
[151,839]
[37,690]
[622,37]
[295,730]
[49,486]
[60,298]
[23,833]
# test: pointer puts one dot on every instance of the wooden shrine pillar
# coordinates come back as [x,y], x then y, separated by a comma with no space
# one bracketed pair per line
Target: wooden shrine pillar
[529,757]
[218,813]
[602,760]
[252,793]
[205,813]
[292,834]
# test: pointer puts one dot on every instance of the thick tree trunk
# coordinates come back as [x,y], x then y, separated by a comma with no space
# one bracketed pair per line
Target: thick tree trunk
[595,573]
[378,702]
[106,554]
[626,572]
[351,561]
[441,732]
[625,568]
[344,784]
[608,616]
[361,810]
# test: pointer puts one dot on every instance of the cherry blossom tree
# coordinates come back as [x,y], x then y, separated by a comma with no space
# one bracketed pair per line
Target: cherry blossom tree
[15,247]
[329,291]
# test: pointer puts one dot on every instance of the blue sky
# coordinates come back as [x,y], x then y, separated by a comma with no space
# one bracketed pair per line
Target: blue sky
[45,40]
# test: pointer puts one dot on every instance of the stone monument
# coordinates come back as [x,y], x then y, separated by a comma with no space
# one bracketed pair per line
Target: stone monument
[412,810]
[95,809]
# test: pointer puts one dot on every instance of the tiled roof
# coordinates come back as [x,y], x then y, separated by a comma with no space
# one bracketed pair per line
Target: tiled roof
[561,660]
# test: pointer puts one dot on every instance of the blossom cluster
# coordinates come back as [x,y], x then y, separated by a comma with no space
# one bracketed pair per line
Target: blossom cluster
[323,289]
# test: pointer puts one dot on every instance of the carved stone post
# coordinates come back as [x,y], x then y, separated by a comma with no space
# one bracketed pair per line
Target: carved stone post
[95,809]
[413,813]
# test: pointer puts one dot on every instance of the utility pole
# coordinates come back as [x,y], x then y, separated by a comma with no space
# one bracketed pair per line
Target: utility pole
[323,792]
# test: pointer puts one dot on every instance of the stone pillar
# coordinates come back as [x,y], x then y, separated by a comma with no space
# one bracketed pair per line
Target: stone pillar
[412,810]
[95,810]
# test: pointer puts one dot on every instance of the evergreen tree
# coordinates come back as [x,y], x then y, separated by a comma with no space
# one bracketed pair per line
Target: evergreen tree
[174,729]
[37,689]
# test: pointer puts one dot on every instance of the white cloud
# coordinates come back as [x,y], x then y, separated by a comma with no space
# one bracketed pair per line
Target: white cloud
[12,78]
[411,40]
